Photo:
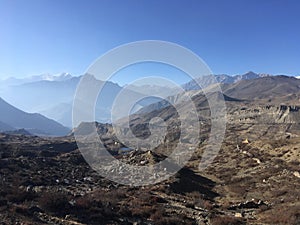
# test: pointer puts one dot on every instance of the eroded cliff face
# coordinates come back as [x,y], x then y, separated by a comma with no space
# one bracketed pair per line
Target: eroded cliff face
[268,114]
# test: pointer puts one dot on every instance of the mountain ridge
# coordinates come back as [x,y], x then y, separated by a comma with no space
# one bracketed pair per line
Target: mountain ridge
[33,122]
[54,98]
[207,80]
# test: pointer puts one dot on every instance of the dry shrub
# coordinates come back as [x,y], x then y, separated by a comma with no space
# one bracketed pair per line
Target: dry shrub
[284,215]
[17,195]
[199,201]
[142,205]
[54,202]
[92,211]
[157,215]
[84,202]
[174,221]
[143,211]
[146,206]
[277,193]
[112,197]
[239,190]
[227,220]
[279,143]
[294,165]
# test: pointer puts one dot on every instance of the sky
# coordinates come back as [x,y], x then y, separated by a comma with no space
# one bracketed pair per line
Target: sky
[231,36]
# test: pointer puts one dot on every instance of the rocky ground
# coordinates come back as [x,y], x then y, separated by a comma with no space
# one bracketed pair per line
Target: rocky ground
[254,180]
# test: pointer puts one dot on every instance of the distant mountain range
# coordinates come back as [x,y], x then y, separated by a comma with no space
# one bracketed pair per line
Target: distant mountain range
[43,77]
[54,98]
[52,95]
[269,88]
[262,100]
[205,81]
[265,89]
[12,119]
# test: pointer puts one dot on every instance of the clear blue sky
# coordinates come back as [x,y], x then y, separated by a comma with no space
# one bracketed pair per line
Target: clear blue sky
[233,37]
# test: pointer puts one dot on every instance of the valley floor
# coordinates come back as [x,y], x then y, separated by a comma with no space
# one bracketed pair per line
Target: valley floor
[46,181]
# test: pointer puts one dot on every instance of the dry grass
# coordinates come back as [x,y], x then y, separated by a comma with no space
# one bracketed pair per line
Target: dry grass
[283,215]
[227,220]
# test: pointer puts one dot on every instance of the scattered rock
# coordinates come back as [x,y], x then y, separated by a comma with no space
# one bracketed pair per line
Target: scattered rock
[248,205]
[238,215]
[257,160]
[296,174]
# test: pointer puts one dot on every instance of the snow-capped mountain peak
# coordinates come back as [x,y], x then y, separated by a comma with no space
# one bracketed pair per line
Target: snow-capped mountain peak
[35,78]
[51,77]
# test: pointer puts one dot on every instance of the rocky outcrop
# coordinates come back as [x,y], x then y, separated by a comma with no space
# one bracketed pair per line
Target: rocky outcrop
[288,114]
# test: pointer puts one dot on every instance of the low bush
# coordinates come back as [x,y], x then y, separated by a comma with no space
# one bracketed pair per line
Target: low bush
[227,220]
[284,215]
[56,202]
[17,195]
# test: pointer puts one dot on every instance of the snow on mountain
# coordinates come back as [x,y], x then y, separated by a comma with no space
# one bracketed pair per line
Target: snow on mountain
[50,77]
[35,78]
[205,81]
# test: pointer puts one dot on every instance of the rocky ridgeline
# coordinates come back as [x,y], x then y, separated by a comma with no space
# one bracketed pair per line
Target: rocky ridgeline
[268,114]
